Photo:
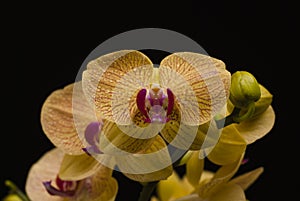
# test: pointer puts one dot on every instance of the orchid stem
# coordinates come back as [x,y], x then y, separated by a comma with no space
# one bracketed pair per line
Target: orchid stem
[222,123]
[14,189]
[236,116]
[147,191]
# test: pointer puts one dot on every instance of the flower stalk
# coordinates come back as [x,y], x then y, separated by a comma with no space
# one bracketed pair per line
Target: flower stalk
[147,191]
[16,191]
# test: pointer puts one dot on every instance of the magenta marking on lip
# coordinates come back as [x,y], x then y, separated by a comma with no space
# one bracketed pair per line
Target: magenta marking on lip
[171,100]
[92,131]
[93,149]
[244,161]
[53,191]
[140,101]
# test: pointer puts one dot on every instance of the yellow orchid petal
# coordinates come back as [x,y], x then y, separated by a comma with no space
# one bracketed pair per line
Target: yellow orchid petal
[207,136]
[200,84]
[111,80]
[194,168]
[189,137]
[192,197]
[230,147]
[45,169]
[264,102]
[113,140]
[229,192]
[152,164]
[100,187]
[78,167]
[58,122]
[206,176]
[246,179]
[229,107]
[171,188]
[256,128]
[223,175]
[225,172]
[154,199]
[186,185]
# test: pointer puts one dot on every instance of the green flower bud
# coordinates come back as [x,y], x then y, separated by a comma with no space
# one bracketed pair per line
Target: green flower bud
[244,89]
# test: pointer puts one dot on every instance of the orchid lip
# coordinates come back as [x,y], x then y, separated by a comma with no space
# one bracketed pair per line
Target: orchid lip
[141,103]
[90,150]
[170,101]
[91,135]
[244,161]
[54,191]
[152,105]
[92,131]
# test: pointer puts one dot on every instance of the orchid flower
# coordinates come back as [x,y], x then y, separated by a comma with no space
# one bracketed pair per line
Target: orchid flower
[79,181]
[125,108]
[143,120]
[126,114]
[187,90]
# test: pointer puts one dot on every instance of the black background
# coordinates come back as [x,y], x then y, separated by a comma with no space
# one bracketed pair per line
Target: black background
[44,46]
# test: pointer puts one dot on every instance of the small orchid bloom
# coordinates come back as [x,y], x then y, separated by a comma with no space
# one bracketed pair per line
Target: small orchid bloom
[201,185]
[54,177]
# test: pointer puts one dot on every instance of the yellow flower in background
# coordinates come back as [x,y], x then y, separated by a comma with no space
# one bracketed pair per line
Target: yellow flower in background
[201,185]
[81,180]
[12,197]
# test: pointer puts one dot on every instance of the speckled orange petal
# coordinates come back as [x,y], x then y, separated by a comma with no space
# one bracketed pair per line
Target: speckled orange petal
[152,164]
[57,118]
[111,80]
[200,84]
[45,169]
[113,140]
